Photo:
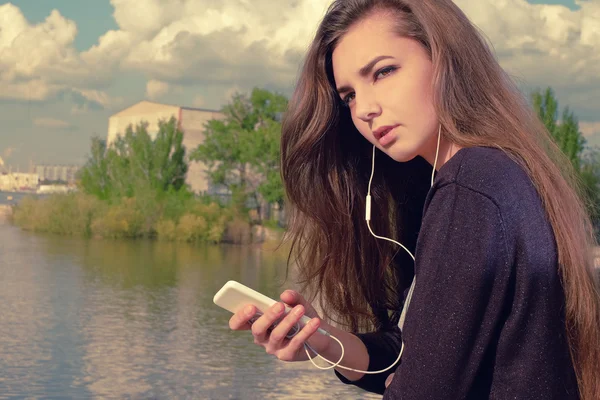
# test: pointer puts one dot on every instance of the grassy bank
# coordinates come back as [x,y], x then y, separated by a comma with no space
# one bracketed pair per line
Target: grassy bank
[170,217]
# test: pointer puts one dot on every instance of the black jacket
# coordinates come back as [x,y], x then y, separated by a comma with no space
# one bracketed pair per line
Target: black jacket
[487,315]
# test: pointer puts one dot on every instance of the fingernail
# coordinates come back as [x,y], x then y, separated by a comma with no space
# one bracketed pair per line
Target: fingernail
[298,310]
[278,307]
[248,310]
[314,322]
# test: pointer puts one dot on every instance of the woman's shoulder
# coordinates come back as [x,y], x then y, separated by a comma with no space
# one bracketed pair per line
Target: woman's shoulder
[482,176]
[488,171]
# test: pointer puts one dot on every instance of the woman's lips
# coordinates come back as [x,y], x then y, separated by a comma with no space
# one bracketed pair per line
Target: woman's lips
[387,137]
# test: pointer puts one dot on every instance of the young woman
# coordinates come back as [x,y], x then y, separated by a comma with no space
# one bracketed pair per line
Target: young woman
[504,303]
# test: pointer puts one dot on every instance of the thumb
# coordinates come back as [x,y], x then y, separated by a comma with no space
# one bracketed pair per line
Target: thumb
[293,298]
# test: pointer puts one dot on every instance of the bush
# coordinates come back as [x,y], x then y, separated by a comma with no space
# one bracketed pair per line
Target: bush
[238,231]
[67,214]
[121,220]
[165,230]
[217,229]
[175,204]
[170,216]
[200,221]
[191,228]
[272,224]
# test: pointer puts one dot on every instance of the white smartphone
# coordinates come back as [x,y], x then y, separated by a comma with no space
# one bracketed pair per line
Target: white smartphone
[233,296]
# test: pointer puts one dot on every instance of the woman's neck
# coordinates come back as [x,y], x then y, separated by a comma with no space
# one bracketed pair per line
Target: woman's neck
[446,151]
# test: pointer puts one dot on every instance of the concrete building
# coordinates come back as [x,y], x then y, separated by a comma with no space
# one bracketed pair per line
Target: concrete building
[53,189]
[191,122]
[65,173]
[18,181]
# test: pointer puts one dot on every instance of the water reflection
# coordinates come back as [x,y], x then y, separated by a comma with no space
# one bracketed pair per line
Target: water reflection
[124,319]
[40,335]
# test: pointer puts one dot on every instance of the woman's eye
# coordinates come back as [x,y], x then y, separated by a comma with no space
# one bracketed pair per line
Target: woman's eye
[382,73]
[348,98]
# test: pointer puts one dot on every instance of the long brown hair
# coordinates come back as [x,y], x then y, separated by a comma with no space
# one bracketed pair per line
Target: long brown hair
[326,162]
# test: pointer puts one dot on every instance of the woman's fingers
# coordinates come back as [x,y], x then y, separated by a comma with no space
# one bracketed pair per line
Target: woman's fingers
[283,328]
[261,326]
[271,328]
[293,298]
[290,297]
[296,344]
[239,320]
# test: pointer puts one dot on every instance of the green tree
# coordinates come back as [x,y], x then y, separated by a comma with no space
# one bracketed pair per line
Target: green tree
[225,146]
[590,181]
[546,106]
[566,133]
[135,164]
[570,140]
[93,177]
[266,155]
[242,152]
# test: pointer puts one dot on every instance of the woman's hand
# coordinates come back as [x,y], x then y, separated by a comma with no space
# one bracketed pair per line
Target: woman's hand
[389,379]
[272,336]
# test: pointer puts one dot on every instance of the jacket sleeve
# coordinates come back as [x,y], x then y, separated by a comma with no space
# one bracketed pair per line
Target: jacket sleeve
[462,285]
[383,348]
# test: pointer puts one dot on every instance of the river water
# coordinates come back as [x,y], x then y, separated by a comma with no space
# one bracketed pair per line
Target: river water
[135,319]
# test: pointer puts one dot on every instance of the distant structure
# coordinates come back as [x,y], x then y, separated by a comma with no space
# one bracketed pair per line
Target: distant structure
[52,172]
[18,182]
[191,122]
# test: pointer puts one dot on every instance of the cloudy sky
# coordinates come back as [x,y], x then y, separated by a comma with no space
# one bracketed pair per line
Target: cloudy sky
[66,66]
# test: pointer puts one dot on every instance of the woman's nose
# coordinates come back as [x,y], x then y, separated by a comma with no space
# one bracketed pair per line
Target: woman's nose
[367,108]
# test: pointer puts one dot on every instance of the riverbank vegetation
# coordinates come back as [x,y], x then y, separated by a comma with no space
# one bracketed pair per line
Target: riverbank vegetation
[166,218]
[135,188]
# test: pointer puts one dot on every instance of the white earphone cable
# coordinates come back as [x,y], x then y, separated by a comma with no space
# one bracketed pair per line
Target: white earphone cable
[412,286]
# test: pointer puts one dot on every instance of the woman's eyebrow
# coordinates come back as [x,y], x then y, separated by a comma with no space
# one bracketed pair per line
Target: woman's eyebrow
[364,71]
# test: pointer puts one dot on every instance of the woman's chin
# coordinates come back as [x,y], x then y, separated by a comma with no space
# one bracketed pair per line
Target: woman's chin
[400,156]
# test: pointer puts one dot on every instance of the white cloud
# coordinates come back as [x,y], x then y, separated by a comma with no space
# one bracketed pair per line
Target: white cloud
[219,41]
[147,17]
[99,97]
[589,128]
[8,152]
[229,93]
[112,47]
[79,110]
[39,62]
[51,123]
[34,89]
[199,101]
[261,42]
[156,89]
[546,45]
[178,43]
[51,39]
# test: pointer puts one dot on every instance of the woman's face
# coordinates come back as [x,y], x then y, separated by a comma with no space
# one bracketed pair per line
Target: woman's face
[386,81]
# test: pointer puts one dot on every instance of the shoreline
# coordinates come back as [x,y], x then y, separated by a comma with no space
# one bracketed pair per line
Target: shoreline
[264,234]
[5,212]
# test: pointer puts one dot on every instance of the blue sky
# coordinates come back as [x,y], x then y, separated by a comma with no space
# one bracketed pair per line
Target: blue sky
[567,3]
[68,65]
[93,18]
